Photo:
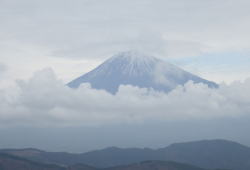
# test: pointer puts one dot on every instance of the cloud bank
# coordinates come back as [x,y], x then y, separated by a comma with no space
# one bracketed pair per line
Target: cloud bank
[45,101]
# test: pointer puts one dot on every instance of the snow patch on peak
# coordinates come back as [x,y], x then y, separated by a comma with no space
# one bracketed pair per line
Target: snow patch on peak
[133,62]
[134,57]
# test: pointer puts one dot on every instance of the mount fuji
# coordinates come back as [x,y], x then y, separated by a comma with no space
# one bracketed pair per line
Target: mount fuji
[136,69]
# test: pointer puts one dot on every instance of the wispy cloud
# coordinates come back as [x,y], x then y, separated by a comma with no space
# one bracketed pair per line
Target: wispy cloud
[93,28]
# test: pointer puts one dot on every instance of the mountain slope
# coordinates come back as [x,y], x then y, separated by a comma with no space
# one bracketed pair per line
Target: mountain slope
[132,68]
[8,162]
[208,154]
[156,165]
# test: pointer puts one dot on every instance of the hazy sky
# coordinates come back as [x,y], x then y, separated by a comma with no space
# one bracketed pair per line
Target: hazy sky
[44,44]
[209,37]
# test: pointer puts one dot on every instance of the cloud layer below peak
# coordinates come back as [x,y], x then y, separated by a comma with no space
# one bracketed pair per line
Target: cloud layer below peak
[45,101]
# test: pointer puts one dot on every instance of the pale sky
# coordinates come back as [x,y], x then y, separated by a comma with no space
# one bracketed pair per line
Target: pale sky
[209,38]
[47,43]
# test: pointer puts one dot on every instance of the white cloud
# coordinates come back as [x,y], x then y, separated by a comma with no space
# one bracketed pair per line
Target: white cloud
[46,101]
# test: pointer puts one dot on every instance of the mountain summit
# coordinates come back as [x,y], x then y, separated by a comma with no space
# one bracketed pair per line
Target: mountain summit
[137,69]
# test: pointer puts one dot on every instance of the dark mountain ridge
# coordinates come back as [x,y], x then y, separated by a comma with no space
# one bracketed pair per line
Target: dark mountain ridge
[10,162]
[210,154]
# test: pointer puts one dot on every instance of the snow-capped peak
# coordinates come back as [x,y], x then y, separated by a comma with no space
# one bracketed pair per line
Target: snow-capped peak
[133,57]
[136,69]
[133,62]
